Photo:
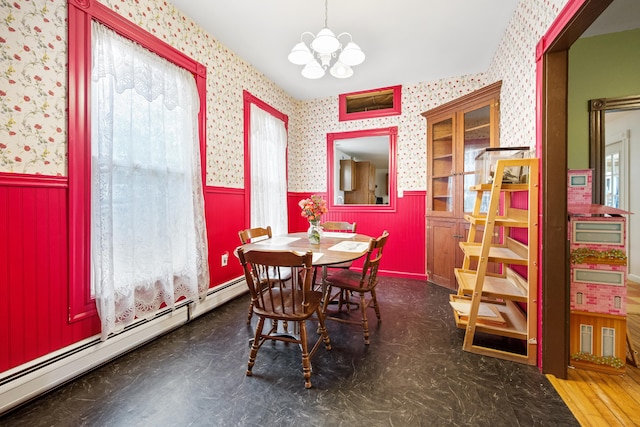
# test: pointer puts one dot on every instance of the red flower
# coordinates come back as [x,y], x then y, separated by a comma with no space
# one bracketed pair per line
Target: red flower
[26,48]
[3,93]
[2,145]
[27,148]
[58,130]
[37,126]
[46,162]
[12,133]
[17,159]
[12,82]
[37,78]
[37,29]
[50,45]
[16,5]
[26,98]
[2,40]
[51,139]
[12,30]
[17,108]
[50,93]
[17,57]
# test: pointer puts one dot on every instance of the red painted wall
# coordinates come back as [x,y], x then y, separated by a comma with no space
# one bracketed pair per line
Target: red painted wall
[404,254]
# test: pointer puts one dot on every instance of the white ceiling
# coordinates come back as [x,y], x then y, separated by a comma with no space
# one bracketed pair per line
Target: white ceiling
[405,41]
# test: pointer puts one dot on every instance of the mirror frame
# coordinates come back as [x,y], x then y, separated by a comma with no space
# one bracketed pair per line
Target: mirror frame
[392,132]
[597,110]
[395,110]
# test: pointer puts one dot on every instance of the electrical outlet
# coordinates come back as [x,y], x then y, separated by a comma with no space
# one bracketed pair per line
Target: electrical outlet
[225,259]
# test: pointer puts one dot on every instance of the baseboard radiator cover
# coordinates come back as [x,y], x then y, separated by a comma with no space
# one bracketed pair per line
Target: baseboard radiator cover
[26,382]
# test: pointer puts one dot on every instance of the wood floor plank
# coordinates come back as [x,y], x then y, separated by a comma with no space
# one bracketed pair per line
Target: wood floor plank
[586,405]
[616,397]
[608,410]
[572,398]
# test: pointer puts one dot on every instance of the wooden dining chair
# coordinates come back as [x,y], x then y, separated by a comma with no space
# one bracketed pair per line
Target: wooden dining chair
[357,283]
[256,234]
[291,304]
[338,227]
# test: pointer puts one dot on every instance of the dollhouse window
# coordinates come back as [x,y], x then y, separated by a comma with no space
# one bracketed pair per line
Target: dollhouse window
[586,341]
[617,302]
[608,341]
[579,298]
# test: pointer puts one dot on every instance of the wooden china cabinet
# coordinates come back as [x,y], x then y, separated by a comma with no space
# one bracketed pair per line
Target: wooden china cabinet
[456,133]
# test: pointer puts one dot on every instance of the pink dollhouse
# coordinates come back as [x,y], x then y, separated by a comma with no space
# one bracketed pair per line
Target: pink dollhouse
[597,236]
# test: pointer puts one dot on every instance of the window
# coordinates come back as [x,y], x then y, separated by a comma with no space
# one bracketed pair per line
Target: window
[81,16]
[608,342]
[586,338]
[265,177]
[369,104]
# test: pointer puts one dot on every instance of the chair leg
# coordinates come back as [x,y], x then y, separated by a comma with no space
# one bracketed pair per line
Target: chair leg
[250,312]
[255,346]
[306,364]
[322,329]
[365,323]
[376,307]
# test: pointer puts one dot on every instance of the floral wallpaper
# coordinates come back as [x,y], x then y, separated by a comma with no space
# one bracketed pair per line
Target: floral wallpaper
[515,64]
[33,123]
[33,87]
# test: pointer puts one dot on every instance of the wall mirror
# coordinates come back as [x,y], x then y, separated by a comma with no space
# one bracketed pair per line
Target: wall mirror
[361,168]
[370,103]
[598,109]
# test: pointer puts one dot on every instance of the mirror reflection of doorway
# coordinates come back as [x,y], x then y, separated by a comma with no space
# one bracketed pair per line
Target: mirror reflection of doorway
[622,142]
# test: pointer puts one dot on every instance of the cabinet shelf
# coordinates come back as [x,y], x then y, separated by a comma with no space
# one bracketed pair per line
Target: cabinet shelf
[479,127]
[443,157]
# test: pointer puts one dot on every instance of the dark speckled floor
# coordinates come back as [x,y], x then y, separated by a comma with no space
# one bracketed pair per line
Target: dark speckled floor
[414,373]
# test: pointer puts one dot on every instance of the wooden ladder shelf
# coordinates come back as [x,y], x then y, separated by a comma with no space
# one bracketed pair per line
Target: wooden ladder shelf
[504,303]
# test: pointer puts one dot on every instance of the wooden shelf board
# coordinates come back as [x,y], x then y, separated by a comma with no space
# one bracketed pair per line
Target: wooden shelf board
[494,286]
[505,187]
[500,221]
[482,126]
[516,321]
[444,196]
[497,253]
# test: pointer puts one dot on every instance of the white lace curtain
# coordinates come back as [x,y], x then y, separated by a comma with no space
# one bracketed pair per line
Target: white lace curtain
[268,171]
[148,237]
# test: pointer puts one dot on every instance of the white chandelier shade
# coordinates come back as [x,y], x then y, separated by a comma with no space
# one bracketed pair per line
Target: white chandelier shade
[325,47]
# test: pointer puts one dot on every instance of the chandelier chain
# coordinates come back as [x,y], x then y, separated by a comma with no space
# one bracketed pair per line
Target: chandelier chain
[326,13]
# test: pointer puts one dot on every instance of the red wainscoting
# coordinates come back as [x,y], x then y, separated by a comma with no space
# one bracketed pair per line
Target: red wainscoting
[34,281]
[404,254]
[225,217]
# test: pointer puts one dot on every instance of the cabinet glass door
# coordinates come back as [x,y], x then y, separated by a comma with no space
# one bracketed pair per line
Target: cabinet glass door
[477,136]
[441,185]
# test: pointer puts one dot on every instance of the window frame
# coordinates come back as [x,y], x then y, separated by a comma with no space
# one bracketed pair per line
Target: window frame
[395,110]
[80,15]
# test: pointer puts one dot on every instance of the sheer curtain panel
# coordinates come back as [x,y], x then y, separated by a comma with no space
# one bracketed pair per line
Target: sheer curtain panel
[148,237]
[268,171]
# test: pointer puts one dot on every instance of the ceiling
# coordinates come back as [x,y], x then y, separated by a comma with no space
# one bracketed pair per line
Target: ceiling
[405,41]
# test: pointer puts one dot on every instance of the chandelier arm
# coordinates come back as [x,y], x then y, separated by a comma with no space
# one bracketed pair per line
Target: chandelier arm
[313,36]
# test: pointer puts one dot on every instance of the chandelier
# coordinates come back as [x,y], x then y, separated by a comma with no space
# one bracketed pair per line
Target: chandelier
[324,48]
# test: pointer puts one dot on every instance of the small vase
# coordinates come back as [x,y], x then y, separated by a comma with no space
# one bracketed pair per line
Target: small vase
[314,232]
